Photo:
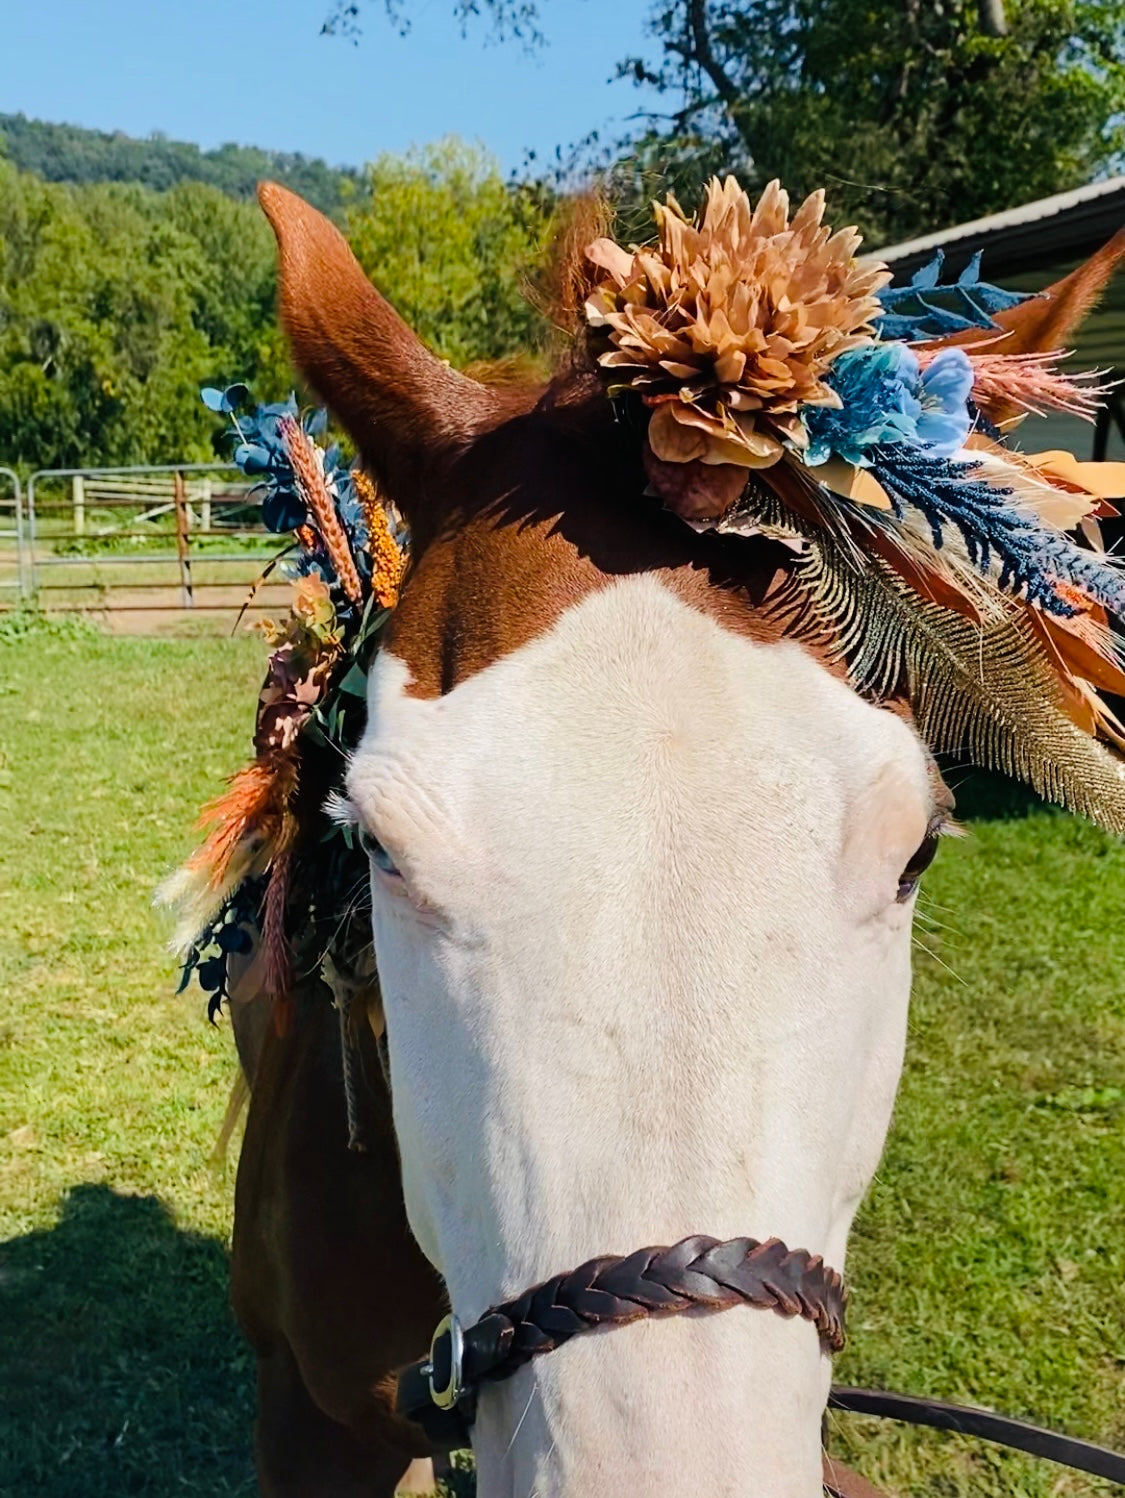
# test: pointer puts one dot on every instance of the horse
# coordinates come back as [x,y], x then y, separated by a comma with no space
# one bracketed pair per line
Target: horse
[643,871]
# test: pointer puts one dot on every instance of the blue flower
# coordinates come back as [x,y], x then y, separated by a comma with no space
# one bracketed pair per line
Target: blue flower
[878,387]
[947,382]
[886,399]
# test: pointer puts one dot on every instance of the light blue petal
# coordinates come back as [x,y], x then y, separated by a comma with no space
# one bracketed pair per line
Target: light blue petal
[904,364]
[943,433]
[948,379]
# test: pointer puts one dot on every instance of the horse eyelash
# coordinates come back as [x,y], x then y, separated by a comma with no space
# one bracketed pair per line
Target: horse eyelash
[341,810]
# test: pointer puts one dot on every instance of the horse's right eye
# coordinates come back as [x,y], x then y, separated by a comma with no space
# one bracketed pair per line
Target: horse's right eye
[376,852]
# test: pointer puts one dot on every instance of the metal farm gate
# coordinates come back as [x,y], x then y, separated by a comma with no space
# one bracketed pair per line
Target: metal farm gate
[137,542]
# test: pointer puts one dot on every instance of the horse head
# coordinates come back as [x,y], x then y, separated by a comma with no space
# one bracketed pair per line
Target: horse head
[644,867]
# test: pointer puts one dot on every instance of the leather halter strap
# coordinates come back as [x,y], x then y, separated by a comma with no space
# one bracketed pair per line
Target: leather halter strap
[986,1425]
[440,1393]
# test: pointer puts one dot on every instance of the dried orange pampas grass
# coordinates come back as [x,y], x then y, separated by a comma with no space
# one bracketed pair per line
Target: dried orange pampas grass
[728,325]
[245,826]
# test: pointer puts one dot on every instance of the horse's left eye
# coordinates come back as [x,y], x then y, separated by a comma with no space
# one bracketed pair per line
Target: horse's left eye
[919,863]
[376,852]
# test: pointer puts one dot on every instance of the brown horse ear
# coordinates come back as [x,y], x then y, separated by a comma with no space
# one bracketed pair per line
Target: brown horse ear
[1049,321]
[402,405]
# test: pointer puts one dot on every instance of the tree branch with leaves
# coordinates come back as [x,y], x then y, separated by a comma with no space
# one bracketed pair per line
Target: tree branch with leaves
[912,113]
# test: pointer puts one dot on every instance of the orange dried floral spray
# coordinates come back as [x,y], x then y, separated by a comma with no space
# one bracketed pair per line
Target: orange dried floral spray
[387,560]
[309,474]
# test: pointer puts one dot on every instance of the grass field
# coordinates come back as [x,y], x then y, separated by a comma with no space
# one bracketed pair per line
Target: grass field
[988,1264]
[121,1369]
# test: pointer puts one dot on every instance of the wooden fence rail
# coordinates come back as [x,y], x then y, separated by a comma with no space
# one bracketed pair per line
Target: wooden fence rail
[160,540]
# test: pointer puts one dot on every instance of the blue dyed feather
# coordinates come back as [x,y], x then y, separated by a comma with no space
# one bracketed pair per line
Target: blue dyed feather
[926,309]
[1032,557]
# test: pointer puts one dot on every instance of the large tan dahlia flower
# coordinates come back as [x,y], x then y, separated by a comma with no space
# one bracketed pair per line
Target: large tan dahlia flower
[727,326]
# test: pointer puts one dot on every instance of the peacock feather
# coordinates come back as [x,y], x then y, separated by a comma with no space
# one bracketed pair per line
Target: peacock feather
[983,688]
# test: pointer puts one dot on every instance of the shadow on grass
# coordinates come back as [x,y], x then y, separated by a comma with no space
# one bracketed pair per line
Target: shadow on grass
[122,1368]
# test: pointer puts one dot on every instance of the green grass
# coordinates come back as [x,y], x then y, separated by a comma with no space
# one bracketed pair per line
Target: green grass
[989,1260]
[987,1265]
[122,1370]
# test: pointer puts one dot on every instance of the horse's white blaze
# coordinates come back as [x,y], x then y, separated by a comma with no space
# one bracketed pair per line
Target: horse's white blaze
[644,976]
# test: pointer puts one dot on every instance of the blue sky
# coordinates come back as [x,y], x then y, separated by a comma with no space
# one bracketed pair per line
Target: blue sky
[258,72]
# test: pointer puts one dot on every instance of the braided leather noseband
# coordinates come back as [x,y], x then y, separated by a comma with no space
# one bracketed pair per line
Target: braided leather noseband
[440,1393]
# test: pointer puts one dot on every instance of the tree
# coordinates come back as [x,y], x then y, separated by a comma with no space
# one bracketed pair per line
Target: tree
[453,247]
[116,304]
[69,153]
[914,113]
[513,18]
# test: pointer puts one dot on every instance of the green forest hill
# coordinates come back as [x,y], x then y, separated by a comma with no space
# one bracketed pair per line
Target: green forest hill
[119,299]
[69,153]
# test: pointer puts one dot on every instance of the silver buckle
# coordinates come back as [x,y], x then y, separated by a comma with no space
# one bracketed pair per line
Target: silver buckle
[443,1371]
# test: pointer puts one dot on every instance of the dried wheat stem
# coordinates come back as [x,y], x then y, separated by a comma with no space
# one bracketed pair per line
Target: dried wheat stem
[305,458]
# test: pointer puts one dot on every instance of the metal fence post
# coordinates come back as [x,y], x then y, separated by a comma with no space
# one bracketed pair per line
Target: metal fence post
[21,558]
[32,580]
[183,540]
[78,490]
[205,505]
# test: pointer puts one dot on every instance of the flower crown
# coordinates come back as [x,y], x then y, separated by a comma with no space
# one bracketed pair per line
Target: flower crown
[927,556]
[242,928]
[791,391]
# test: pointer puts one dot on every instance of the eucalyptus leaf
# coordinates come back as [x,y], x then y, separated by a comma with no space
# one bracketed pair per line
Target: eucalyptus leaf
[210,974]
[252,458]
[355,682]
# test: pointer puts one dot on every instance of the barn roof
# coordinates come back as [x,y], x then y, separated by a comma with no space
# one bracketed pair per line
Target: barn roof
[1021,241]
